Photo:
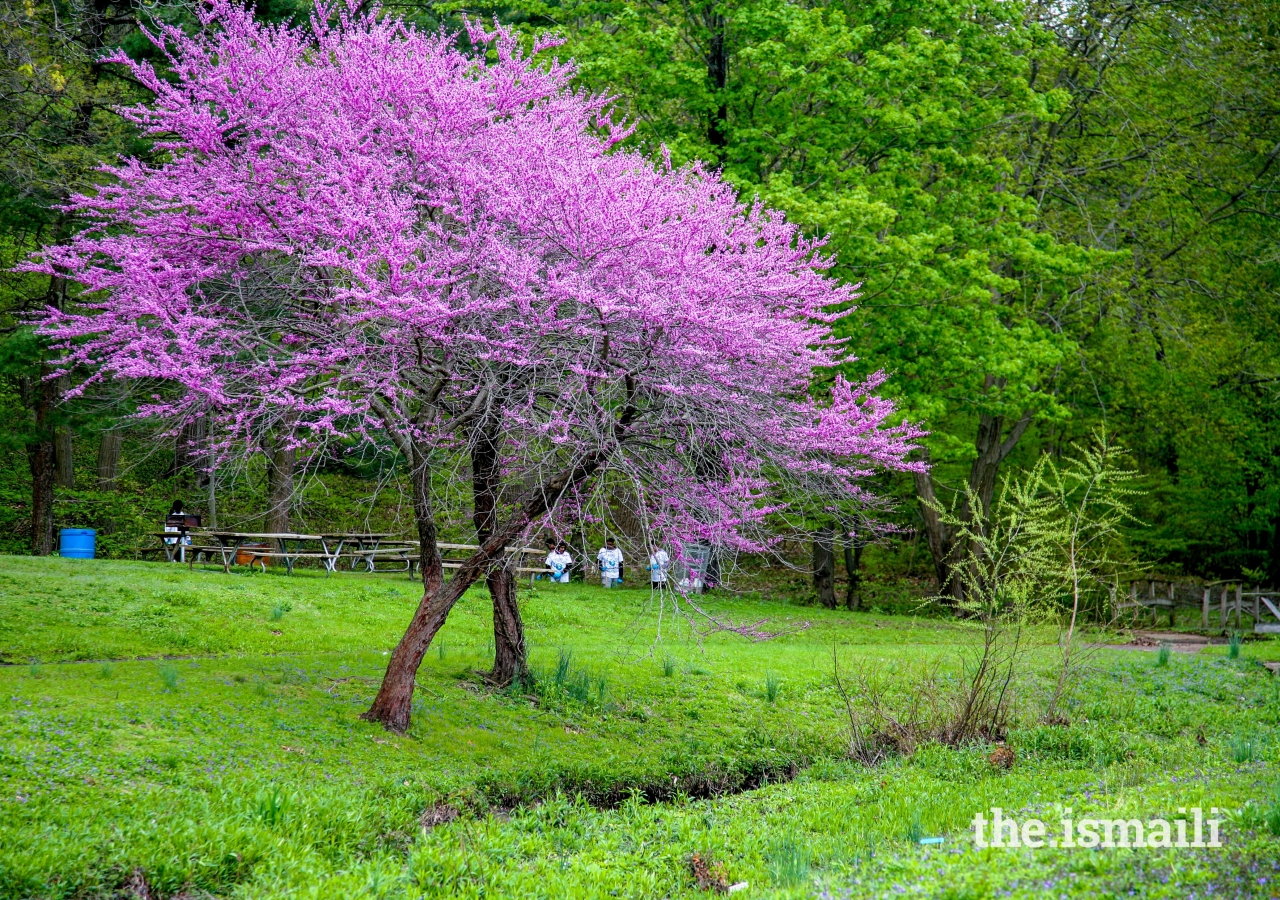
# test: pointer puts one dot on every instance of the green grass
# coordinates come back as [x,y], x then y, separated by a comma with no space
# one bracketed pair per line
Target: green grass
[153,720]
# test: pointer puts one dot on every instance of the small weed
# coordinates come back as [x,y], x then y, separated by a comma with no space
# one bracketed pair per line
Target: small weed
[564,668]
[602,686]
[787,861]
[578,686]
[34,670]
[668,667]
[915,828]
[440,651]
[105,670]
[261,689]
[772,683]
[1233,646]
[271,806]
[278,610]
[1271,816]
[1243,749]
[1162,655]
[169,677]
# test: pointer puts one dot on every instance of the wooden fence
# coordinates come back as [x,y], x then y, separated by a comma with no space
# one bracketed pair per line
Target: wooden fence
[1221,603]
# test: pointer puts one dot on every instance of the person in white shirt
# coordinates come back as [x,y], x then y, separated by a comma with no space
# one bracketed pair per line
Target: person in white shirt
[658,563]
[558,561]
[610,560]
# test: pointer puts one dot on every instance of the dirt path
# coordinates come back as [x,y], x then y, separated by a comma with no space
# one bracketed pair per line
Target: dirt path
[1178,642]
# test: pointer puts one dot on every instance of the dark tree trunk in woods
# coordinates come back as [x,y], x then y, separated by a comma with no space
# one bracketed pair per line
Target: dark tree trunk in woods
[41,451]
[64,458]
[852,560]
[281,462]
[188,451]
[108,469]
[509,659]
[41,459]
[1273,560]
[993,446]
[824,566]
[718,75]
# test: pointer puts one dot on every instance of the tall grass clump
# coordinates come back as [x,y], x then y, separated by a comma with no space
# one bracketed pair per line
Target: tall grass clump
[1162,655]
[1243,749]
[668,667]
[169,677]
[278,610]
[772,684]
[105,670]
[787,861]
[1233,645]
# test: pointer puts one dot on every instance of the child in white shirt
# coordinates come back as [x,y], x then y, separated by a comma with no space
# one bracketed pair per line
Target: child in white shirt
[610,560]
[658,564]
[558,561]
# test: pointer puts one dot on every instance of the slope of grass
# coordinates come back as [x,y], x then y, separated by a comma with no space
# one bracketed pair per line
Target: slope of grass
[200,731]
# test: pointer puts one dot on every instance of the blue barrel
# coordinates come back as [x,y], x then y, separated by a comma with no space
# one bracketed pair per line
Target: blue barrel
[77,543]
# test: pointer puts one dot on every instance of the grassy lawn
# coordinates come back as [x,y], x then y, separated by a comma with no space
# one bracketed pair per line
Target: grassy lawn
[199,732]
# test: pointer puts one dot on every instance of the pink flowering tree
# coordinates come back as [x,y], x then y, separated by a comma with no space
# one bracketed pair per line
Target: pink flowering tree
[359,230]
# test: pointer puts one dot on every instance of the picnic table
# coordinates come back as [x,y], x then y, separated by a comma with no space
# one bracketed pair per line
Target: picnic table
[288,547]
[230,543]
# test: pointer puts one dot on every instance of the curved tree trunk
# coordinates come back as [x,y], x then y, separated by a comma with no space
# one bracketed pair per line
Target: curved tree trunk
[510,663]
[394,703]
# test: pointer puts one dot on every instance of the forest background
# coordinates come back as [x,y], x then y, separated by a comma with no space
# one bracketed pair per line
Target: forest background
[1063,217]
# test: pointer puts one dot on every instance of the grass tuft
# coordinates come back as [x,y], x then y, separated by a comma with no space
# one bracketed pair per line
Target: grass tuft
[1162,655]
[169,677]
[787,861]
[1243,749]
[772,684]
[668,667]
[1233,645]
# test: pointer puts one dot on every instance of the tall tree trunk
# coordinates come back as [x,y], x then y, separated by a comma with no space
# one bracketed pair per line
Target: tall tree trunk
[718,75]
[509,653]
[64,462]
[941,540]
[281,462]
[41,459]
[824,565]
[42,452]
[188,452]
[1273,558]
[993,446]
[110,443]
[852,560]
